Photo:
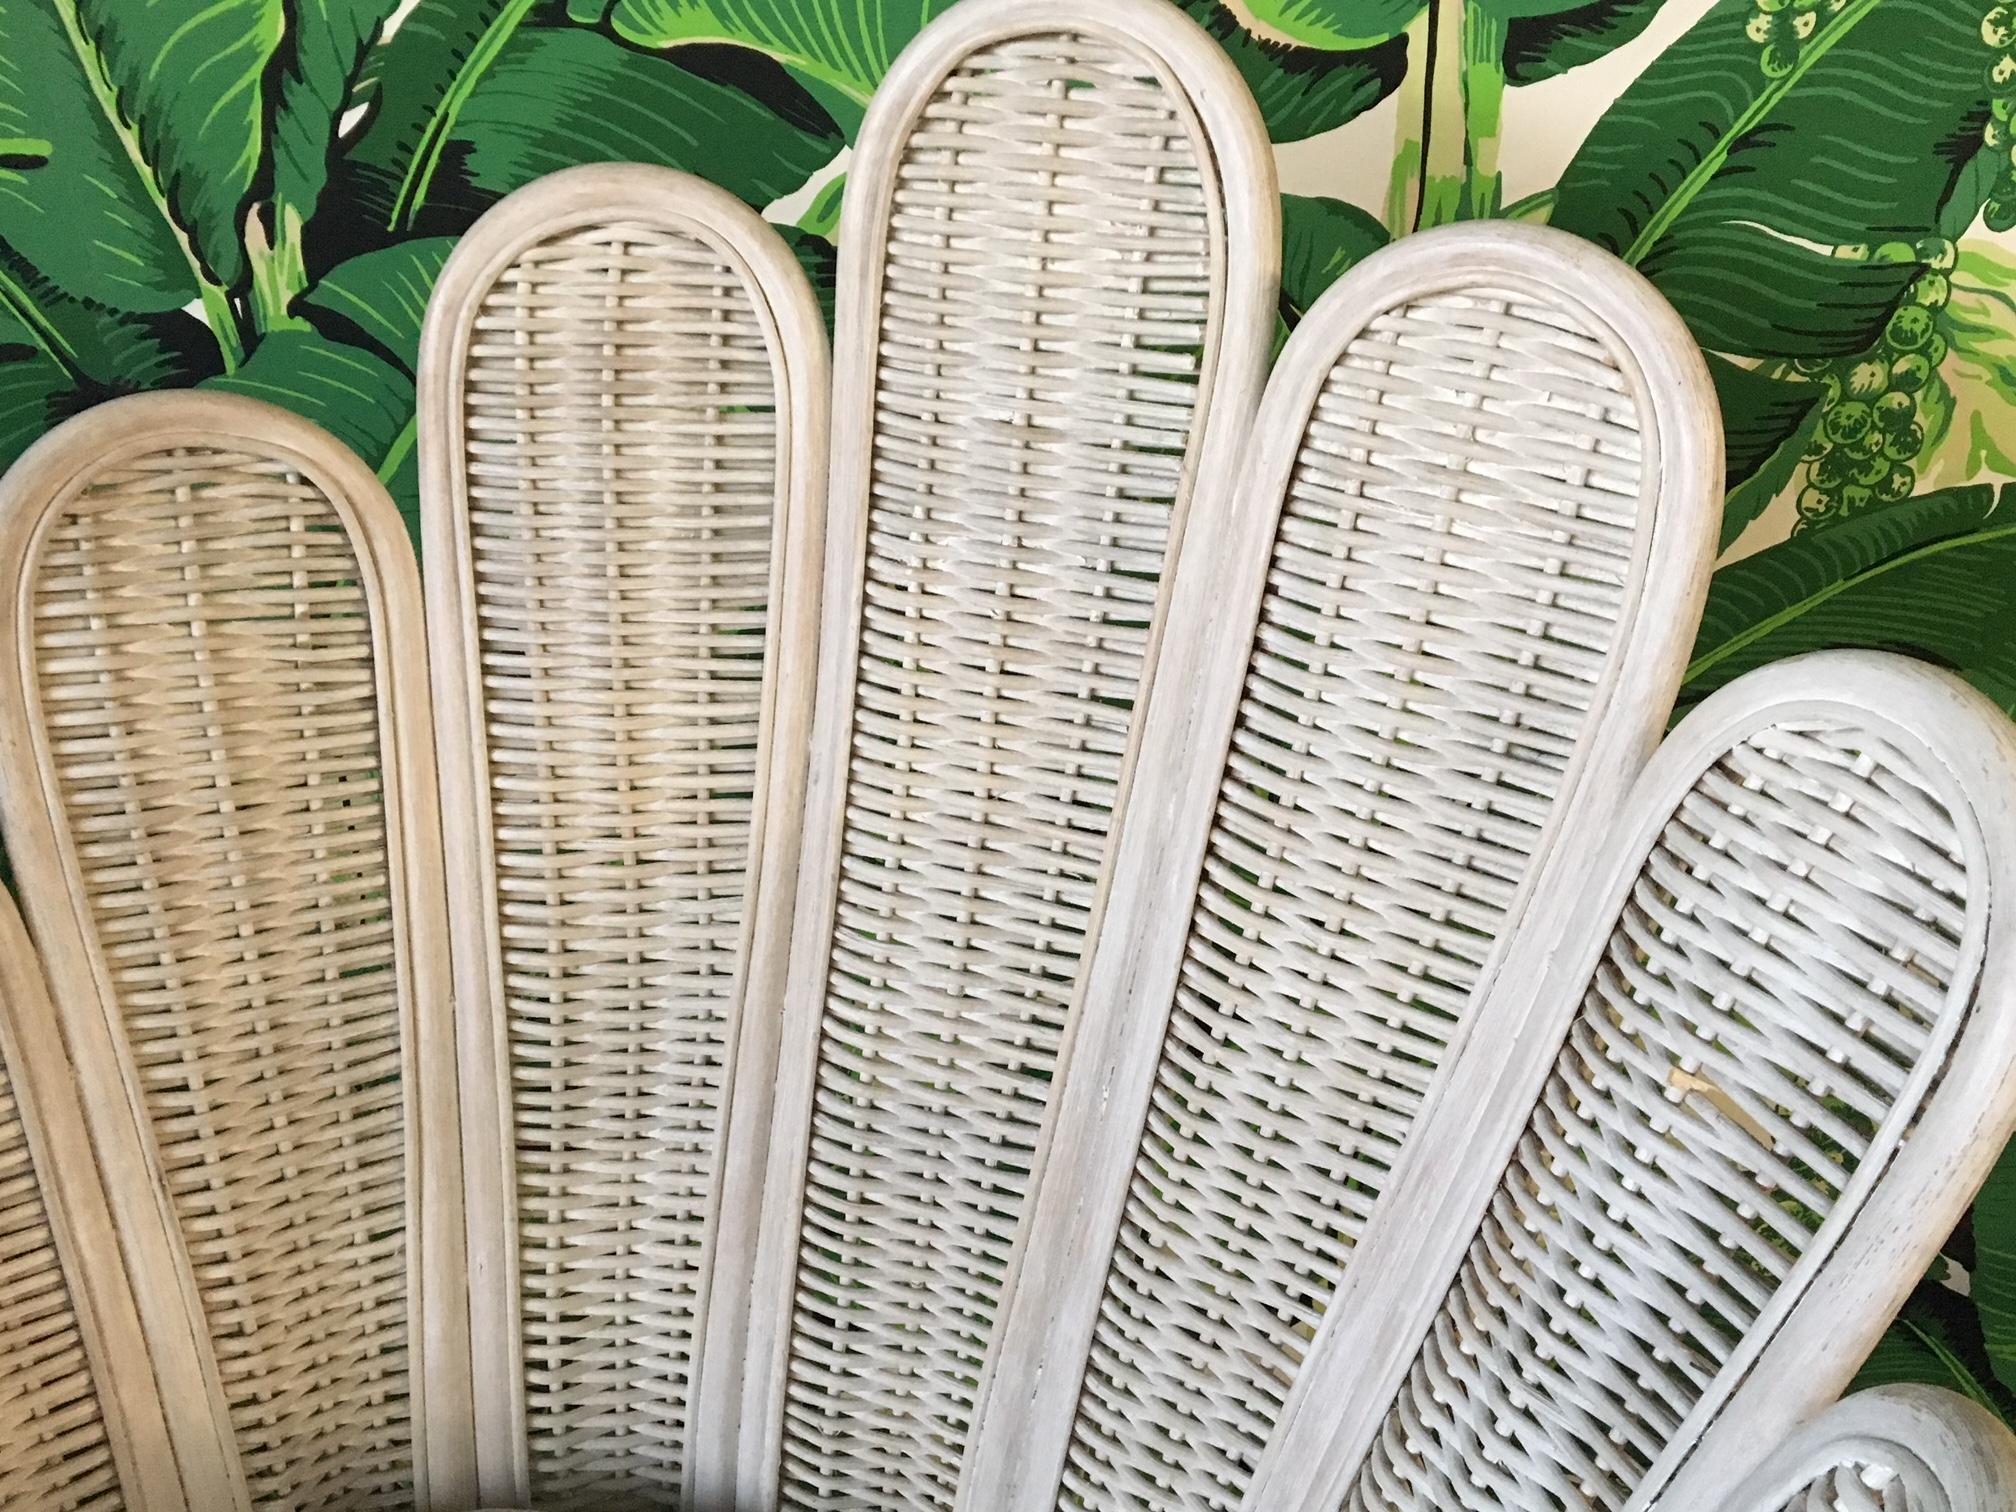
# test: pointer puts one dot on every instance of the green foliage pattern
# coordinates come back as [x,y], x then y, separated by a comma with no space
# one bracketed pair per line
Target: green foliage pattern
[257,195]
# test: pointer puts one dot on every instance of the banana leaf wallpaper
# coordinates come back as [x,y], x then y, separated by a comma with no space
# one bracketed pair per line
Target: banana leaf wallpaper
[256,195]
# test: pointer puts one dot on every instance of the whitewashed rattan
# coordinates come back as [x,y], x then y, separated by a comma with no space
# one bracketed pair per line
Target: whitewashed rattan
[1103,944]
[1060,246]
[624,385]
[219,801]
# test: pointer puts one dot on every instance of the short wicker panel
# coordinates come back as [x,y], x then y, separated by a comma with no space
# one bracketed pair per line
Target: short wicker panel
[205,669]
[1855,1488]
[1046,293]
[1787,954]
[1444,593]
[54,1456]
[620,450]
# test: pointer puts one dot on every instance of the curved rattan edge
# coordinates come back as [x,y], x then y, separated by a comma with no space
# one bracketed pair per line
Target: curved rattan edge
[785,303]
[83,1229]
[44,479]
[1243,202]
[1212,617]
[1842,1295]
[1950,1454]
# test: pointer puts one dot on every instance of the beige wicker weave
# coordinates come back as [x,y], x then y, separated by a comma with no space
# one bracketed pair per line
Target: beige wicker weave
[1104,942]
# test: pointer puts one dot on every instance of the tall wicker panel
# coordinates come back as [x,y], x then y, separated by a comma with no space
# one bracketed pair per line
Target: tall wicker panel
[56,1448]
[1792,979]
[1452,627]
[231,877]
[626,382]
[1038,308]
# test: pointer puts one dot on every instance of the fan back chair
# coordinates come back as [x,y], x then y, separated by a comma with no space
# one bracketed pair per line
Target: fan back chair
[1038,920]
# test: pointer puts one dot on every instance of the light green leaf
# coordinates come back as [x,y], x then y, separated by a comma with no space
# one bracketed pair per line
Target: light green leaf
[557,98]
[1746,198]
[1302,91]
[383,295]
[1338,25]
[78,208]
[845,44]
[357,396]
[1974,434]
[1321,240]
[191,77]
[1934,576]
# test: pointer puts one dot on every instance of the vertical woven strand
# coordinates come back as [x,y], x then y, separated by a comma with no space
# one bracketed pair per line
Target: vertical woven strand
[205,669]
[1443,598]
[1788,953]
[53,1444]
[1045,297]
[621,455]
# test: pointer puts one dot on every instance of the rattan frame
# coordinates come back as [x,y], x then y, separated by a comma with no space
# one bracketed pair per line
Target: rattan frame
[85,1009]
[744,1400]
[1942,1453]
[1807,1345]
[782,299]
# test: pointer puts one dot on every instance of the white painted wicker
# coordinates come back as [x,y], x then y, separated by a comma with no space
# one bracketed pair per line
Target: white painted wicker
[1448,616]
[219,797]
[1894,1449]
[624,402]
[1740,1084]
[1057,293]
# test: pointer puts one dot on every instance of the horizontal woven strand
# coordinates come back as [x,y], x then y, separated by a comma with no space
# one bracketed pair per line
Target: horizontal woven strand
[621,456]
[1442,598]
[1049,261]
[206,668]
[1745,1040]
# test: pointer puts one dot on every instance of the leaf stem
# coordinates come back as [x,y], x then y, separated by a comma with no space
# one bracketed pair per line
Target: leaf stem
[1484,34]
[223,318]
[1403,190]
[1767,100]
[419,175]
[1447,167]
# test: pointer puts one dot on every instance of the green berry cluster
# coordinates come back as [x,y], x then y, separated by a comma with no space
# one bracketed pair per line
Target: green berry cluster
[1869,433]
[1781,27]
[1998,30]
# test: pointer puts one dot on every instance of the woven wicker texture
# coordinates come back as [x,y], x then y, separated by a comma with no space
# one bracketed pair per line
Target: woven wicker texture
[53,1452]
[1854,1488]
[620,448]
[1045,299]
[205,670]
[1440,605]
[1785,957]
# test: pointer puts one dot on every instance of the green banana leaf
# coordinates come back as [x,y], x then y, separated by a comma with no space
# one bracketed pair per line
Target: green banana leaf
[1928,576]
[1993,1288]
[1732,191]
[1302,91]
[59,355]
[380,298]
[1321,240]
[1544,45]
[1760,412]
[71,201]
[329,40]
[1936,1341]
[1975,433]
[192,78]
[1341,25]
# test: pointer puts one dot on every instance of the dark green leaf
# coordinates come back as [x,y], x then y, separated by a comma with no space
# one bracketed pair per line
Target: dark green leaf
[382,295]
[424,73]
[1936,1341]
[555,99]
[191,75]
[820,259]
[1934,576]
[78,209]
[1321,239]
[1994,1281]
[1744,198]
[355,395]
[1303,91]
[327,43]
[1334,24]
[1760,412]
[1545,46]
